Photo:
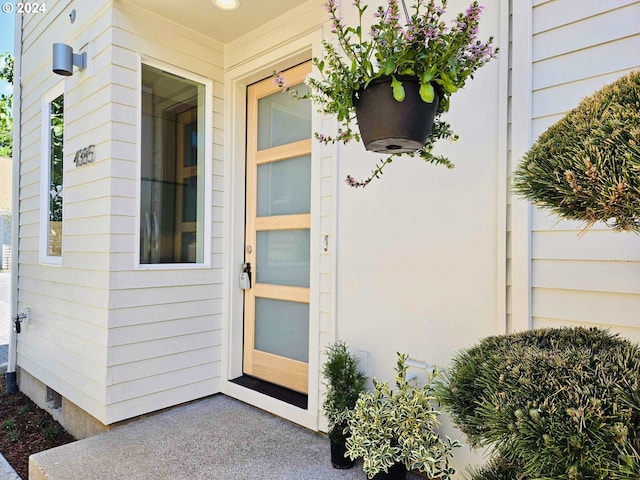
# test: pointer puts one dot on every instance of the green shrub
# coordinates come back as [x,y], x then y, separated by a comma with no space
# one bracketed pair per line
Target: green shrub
[586,167]
[399,426]
[553,404]
[344,382]
[498,468]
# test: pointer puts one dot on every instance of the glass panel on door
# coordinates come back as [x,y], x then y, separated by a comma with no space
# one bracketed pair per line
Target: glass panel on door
[282,119]
[282,328]
[284,187]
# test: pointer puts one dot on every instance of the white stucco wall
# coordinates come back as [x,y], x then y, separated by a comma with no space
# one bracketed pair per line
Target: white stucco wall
[418,248]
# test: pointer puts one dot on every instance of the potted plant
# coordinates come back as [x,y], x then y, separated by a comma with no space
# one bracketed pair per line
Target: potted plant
[395,431]
[384,76]
[344,382]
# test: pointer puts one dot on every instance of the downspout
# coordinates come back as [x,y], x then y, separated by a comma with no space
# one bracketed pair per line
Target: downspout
[10,376]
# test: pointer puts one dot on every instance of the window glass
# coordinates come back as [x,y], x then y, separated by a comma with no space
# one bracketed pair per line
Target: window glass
[283,257]
[56,186]
[283,119]
[284,187]
[172,169]
[282,328]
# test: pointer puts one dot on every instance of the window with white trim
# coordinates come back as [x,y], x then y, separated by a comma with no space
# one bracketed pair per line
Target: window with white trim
[172,168]
[52,176]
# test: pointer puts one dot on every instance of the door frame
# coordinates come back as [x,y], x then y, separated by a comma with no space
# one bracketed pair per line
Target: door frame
[235,93]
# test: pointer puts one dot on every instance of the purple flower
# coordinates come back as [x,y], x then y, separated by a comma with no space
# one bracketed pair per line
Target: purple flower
[432,33]
[331,6]
[352,182]
[279,81]
[322,138]
[474,11]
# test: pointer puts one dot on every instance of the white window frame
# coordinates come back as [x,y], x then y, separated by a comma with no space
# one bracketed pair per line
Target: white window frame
[45,171]
[208,165]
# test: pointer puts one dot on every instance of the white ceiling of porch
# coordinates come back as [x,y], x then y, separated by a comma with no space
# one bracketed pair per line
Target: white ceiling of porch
[225,26]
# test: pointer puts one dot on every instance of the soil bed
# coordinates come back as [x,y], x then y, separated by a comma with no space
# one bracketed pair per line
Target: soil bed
[26,429]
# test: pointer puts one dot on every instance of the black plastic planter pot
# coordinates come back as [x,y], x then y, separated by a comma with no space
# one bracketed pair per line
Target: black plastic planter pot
[389,126]
[338,460]
[396,472]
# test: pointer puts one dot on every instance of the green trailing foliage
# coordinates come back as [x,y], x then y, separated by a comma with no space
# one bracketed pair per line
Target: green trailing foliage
[6,105]
[586,167]
[56,115]
[560,404]
[344,382]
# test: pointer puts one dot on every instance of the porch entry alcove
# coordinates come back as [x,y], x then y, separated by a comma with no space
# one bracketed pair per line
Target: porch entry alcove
[277,240]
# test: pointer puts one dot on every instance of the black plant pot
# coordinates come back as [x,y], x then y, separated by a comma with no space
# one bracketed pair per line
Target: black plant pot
[396,472]
[338,460]
[389,126]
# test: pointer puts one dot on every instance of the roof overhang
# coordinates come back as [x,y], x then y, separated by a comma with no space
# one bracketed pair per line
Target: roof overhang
[224,26]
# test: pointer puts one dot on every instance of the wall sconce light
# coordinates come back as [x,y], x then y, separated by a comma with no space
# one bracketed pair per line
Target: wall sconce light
[64,59]
[227,4]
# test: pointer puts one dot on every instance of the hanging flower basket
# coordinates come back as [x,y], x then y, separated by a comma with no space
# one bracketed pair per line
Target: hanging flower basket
[415,43]
[389,126]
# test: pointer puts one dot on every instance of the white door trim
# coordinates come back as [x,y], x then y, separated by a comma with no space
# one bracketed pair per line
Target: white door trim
[236,81]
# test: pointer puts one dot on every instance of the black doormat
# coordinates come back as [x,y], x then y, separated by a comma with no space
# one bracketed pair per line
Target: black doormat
[291,397]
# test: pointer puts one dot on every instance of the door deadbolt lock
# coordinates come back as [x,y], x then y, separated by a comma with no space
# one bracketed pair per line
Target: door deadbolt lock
[245,276]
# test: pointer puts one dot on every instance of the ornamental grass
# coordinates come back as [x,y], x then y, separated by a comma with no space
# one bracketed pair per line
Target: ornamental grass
[560,404]
[586,167]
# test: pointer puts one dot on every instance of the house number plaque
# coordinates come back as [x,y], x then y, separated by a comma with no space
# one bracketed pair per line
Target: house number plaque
[84,156]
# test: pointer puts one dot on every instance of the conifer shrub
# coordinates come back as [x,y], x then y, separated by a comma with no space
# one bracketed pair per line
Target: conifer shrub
[586,167]
[552,404]
[344,382]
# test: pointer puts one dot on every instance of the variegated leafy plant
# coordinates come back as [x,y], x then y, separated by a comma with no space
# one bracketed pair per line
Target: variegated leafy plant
[399,426]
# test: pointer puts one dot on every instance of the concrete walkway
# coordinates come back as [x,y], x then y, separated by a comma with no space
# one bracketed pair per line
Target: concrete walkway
[5,317]
[6,471]
[213,438]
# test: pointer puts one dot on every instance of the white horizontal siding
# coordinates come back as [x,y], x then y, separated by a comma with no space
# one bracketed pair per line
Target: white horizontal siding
[594,276]
[162,312]
[557,13]
[585,33]
[73,306]
[173,394]
[611,309]
[592,246]
[164,335]
[590,279]
[614,56]
[630,333]
[121,374]
[64,344]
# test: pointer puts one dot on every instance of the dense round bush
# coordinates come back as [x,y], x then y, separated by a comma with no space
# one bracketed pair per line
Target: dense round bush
[553,404]
[587,166]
